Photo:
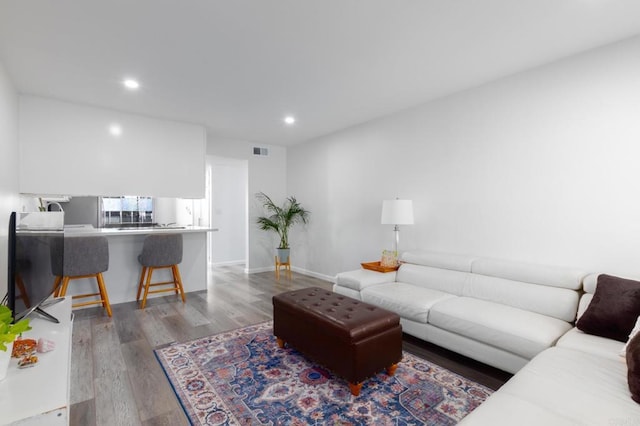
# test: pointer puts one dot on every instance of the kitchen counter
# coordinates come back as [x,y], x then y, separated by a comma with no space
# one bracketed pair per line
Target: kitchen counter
[84,230]
[121,279]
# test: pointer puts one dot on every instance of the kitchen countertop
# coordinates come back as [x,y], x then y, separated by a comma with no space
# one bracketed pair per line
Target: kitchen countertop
[72,230]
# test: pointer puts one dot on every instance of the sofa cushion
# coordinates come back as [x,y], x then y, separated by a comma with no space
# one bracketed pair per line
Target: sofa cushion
[551,276]
[585,301]
[521,332]
[590,282]
[560,303]
[585,388]
[613,309]
[633,367]
[362,278]
[502,409]
[407,300]
[433,278]
[634,331]
[596,345]
[454,262]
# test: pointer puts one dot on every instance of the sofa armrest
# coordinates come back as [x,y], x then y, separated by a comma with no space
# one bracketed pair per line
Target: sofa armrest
[360,279]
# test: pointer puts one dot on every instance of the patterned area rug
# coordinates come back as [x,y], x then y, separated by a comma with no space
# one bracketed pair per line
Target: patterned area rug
[241,377]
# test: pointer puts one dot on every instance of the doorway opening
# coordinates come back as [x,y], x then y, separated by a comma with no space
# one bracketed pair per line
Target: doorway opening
[227,191]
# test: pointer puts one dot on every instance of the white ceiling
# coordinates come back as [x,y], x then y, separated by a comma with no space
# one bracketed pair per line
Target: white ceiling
[239,66]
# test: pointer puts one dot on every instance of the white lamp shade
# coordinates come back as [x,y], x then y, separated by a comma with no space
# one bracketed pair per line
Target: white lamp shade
[397,212]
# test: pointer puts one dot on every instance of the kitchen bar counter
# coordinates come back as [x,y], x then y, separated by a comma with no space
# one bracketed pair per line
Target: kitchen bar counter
[72,230]
[125,245]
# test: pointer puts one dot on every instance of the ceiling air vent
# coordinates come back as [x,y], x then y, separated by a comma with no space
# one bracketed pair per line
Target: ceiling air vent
[260,151]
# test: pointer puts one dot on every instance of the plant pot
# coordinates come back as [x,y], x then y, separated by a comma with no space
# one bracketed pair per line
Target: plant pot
[283,255]
[5,359]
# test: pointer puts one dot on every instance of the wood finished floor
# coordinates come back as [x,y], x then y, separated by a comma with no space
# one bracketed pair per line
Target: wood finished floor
[116,380]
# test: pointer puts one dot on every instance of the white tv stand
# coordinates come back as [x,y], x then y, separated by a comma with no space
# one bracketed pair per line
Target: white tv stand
[40,395]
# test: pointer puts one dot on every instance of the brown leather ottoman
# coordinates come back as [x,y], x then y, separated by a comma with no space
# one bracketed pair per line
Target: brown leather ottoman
[353,339]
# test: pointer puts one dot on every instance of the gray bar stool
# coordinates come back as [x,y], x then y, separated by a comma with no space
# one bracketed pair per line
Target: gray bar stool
[160,251]
[84,257]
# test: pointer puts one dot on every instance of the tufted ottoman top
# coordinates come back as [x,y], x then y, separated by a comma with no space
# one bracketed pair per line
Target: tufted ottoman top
[348,318]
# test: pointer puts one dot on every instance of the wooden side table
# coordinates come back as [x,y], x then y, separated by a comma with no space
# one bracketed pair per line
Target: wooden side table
[287,266]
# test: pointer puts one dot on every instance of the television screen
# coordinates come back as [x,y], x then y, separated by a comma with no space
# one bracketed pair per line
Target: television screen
[11,262]
[33,253]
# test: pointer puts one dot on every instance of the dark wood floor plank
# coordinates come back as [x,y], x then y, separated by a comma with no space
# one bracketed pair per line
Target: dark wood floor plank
[151,390]
[172,419]
[154,330]
[128,327]
[191,314]
[83,413]
[82,362]
[115,401]
[107,357]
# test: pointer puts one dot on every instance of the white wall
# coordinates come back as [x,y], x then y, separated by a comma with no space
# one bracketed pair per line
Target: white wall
[9,198]
[229,179]
[267,174]
[540,167]
[67,149]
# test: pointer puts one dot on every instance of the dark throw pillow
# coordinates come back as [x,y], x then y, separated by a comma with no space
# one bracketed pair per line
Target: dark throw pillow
[613,310]
[633,367]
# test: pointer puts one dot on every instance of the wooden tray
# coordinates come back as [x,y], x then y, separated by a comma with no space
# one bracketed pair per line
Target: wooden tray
[375,266]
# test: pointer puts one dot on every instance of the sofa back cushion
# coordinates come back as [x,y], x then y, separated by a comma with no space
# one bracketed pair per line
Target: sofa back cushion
[454,262]
[589,286]
[560,303]
[446,280]
[551,276]
[547,290]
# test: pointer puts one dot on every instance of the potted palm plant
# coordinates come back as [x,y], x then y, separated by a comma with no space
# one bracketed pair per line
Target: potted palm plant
[280,219]
[8,333]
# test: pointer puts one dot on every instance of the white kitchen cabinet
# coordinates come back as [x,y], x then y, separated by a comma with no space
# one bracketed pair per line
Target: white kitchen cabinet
[67,148]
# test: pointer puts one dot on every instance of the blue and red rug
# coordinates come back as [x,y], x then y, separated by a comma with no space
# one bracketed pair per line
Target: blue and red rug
[241,377]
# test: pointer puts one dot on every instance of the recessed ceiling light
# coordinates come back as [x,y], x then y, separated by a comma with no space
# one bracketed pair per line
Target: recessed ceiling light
[131,84]
[289,119]
[115,129]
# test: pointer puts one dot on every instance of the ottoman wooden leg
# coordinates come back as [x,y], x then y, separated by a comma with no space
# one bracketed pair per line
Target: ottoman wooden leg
[391,370]
[355,388]
[280,342]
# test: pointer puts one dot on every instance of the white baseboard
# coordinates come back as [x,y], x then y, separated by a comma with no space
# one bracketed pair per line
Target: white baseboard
[229,263]
[314,274]
[295,269]
[258,270]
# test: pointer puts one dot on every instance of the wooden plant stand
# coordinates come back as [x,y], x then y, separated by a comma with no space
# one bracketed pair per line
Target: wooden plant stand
[287,267]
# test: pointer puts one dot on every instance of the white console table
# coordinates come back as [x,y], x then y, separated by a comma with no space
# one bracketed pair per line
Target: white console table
[40,395]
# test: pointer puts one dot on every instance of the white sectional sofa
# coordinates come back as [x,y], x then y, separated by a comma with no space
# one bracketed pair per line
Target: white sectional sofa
[516,317]
[580,381]
[498,312]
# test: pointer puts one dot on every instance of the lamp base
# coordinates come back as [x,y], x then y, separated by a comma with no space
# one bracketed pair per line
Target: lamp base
[396,230]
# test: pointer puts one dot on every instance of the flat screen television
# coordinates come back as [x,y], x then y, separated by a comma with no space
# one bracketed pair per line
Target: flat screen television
[10,298]
[31,257]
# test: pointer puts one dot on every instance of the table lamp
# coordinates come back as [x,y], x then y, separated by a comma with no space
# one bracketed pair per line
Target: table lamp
[397,212]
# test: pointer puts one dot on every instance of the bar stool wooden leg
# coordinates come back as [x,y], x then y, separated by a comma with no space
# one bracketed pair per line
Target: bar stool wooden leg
[65,284]
[141,283]
[56,287]
[103,293]
[23,292]
[178,280]
[176,288]
[146,287]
